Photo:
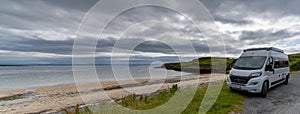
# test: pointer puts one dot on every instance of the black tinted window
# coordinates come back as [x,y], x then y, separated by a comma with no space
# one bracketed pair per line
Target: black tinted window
[281,64]
[277,64]
[285,64]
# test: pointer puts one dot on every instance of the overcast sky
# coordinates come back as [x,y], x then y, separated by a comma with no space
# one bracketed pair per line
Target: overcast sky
[43,31]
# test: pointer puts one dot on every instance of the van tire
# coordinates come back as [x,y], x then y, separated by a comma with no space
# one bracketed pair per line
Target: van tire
[231,89]
[264,89]
[286,82]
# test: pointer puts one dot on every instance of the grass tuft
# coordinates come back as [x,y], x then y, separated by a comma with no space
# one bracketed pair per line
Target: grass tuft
[13,97]
[143,102]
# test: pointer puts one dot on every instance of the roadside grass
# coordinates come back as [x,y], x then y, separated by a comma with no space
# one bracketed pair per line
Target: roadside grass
[295,72]
[226,102]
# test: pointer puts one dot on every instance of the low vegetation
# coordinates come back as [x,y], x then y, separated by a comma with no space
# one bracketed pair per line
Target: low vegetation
[202,65]
[294,62]
[143,102]
[78,110]
[2,65]
[226,102]
[13,97]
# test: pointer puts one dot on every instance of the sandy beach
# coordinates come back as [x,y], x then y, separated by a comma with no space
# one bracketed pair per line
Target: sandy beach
[55,98]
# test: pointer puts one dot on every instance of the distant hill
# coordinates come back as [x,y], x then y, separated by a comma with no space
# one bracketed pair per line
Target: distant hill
[1,65]
[205,64]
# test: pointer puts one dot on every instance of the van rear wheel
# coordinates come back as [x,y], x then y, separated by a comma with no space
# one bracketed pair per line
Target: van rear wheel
[264,90]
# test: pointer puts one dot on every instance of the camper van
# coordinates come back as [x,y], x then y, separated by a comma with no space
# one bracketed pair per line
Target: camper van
[259,69]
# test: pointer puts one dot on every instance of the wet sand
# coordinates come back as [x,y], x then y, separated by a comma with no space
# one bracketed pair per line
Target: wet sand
[56,98]
[69,87]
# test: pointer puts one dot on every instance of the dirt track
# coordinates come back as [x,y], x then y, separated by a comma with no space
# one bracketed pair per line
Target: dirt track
[283,99]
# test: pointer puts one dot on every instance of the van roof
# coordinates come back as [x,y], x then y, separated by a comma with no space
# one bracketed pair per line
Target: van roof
[268,49]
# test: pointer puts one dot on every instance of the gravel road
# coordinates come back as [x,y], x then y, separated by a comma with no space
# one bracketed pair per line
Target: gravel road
[283,99]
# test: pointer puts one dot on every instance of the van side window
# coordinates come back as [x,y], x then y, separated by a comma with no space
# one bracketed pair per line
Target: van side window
[277,64]
[285,63]
[281,64]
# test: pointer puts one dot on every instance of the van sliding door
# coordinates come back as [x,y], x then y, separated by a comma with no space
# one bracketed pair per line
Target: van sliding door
[271,74]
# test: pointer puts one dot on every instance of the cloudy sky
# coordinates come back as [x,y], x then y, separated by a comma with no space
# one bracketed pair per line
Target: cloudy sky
[43,31]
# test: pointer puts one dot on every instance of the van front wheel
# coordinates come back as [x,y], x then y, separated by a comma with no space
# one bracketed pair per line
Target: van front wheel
[264,90]
[286,80]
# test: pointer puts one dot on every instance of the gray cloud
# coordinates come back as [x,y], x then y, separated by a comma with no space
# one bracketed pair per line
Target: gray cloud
[73,4]
[37,15]
[39,45]
[49,26]
[232,21]
[265,36]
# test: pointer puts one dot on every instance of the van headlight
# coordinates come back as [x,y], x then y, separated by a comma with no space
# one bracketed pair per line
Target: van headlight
[256,74]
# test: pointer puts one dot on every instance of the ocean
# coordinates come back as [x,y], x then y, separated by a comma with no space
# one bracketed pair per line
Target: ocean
[19,77]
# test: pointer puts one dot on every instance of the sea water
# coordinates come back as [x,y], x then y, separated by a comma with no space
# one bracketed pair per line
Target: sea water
[36,76]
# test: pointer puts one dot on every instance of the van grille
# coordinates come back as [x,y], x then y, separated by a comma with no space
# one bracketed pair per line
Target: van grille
[239,79]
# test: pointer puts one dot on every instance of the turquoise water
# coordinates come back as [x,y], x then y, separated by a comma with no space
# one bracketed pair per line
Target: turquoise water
[35,76]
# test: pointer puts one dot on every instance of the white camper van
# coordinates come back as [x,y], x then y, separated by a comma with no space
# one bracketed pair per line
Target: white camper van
[259,69]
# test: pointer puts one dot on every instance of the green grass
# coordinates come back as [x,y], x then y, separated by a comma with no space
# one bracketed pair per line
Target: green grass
[142,102]
[14,97]
[295,72]
[226,102]
[294,62]
[204,63]
[78,110]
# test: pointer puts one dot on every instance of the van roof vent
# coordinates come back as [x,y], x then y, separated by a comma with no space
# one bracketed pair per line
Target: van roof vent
[268,49]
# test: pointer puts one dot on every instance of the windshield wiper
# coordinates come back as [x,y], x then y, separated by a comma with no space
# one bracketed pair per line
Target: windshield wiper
[245,68]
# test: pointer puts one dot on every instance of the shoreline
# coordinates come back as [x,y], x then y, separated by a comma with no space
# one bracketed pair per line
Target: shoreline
[65,87]
[61,87]
[56,98]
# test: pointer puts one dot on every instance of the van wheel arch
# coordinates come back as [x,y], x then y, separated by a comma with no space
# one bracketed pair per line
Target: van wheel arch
[286,80]
[268,83]
[264,89]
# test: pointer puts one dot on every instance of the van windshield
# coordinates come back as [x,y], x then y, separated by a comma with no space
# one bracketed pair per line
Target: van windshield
[250,62]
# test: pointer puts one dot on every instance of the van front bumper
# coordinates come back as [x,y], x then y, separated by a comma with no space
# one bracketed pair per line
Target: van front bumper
[253,86]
